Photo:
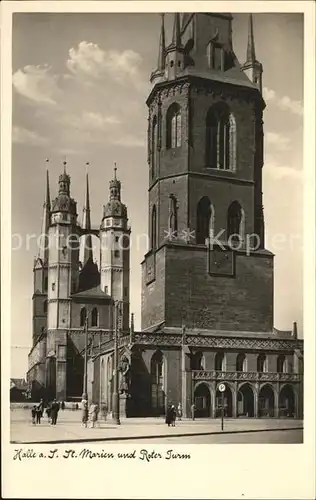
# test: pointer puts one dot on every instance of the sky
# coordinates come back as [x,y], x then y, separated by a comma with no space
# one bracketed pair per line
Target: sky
[80,83]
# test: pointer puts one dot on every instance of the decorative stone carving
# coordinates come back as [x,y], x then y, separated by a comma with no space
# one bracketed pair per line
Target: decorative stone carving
[217,342]
[245,376]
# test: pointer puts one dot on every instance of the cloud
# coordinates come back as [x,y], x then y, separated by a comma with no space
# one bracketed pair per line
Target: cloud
[91,61]
[285,103]
[277,172]
[129,141]
[37,83]
[90,121]
[22,135]
[281,142]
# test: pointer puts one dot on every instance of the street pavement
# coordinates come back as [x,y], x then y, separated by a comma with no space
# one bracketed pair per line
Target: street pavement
[69,429]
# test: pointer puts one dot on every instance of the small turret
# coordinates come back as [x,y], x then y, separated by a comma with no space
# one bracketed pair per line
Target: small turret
[252,68]
[63,203]
[160,71]
[174,51]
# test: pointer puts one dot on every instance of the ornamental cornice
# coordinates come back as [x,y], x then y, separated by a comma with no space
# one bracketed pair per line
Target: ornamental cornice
[217,342]
[60,264]
[246,376]
[59,300]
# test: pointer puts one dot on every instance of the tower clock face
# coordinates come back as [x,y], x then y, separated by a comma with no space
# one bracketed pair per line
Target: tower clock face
[221,262]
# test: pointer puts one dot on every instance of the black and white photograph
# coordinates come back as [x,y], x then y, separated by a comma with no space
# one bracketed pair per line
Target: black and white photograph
[155,227]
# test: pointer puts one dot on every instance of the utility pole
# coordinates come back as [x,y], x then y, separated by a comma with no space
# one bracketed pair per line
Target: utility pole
[116,401]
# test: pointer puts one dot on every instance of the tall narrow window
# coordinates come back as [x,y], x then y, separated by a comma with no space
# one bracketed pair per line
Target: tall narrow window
[94,317]
[45,306]
[154,147]
[216,56]
[219,362]
[83,315]
[281,364]
[241,363]
[154,228]
[262,365]
[235,222]
[173,122]
[220,146]
[205,220]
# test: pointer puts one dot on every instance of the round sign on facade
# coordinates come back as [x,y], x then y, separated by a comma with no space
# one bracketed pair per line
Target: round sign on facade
[221,387]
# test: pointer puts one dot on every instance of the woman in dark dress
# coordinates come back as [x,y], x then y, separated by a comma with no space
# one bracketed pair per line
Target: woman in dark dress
[169,415]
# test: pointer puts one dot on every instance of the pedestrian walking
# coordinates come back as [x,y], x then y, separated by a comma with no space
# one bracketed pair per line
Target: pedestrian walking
[169,415]
[193,411]
[48,413]
[104,411]
[173,416]
[54,412]
[180,411]
[84,412]
[93,414]
[38,413]
[63,405]
[33,414]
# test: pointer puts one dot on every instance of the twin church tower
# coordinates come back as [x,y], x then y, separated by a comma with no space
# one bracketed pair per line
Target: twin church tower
[68,291]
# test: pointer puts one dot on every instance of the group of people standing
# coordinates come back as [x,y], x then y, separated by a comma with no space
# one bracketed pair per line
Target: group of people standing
[52,410]
[173,412]
[91,413]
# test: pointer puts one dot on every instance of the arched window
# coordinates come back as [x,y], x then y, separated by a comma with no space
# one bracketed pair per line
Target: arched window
[241,363]
[154,228]
[198,361]
[157,382]
[94,317]
[235,222]
[45,306]
[83,315]
[204,220]
[219,362]
[220,146]
[262,364]
[281,364]
[173,126]
[154,147]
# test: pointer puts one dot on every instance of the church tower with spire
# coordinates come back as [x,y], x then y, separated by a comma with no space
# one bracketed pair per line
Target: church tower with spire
[40,272]
[115,249]
[207,257]
[63,277]
[89,276]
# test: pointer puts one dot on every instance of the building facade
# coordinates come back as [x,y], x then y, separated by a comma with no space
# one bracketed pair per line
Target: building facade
[69,293]
[207,279]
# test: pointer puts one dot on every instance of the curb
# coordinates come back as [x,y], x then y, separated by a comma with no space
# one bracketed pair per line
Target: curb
[160,436]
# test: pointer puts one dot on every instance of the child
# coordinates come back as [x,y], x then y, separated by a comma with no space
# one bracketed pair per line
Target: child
[33,413]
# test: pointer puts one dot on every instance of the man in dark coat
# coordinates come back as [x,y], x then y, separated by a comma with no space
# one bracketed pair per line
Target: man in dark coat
[54,411]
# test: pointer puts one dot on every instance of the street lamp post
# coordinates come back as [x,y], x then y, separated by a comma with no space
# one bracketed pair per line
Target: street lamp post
[116,400]
[85,377]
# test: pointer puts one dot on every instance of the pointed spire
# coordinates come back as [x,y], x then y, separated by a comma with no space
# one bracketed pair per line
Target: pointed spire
[176,38]
[43,247]
[162,45]
[88,252]
[251,54]
[47,200]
